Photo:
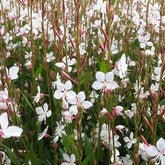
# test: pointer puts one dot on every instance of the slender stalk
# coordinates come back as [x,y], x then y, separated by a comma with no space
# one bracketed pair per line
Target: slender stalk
[162,48]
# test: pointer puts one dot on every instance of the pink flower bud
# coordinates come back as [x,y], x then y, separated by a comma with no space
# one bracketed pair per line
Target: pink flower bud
[148,123]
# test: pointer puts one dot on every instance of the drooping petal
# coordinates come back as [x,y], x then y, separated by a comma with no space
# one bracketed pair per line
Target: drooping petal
[60,65]
[41,118]
[73,110]
[81,96]
[109,76]
[4,121]
[41,135]
[152,151]
[87,104]
[112,85]
[58,94]
[129,145]
[13,131]
[97,85]
[100,76]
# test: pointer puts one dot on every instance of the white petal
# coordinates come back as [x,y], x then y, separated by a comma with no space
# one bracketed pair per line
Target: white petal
[4,120]
[81,96]
[129,145]
[13,131]
[72,100]
[39,110]
[97,85]
[49,113]
[60,86]
[161,144]
[73,110]
[72,62]
[142,45]
[41,118]
[60,65]
[66,157]
[13,72]
[68,85]
[109,76]
[100,76]
[152,151]
[43,133]
[72,157]
[45,106]
[58,94]
[87,104]
[112,85]
[131,135]
[71,93]
[134,141]
[126,139]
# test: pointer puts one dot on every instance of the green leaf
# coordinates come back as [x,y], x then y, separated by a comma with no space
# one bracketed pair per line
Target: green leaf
[89,149]
[85,77]
[162,102]
[67,143]
[27,101]
[103,67]
[75,151]
[10,154]
[86,160]
[39,70]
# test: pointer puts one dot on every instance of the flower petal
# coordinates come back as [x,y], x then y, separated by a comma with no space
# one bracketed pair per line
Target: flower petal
[39,110]
[152,151]
[81,96]
[66,157]
[68,85]
[4,120]
[100,76]
[97,85]
[13,131]
[109,76]
[161,144]
[87,104]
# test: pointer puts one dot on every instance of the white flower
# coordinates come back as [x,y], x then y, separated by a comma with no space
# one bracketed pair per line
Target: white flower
[67,63]
[104,82]
[13,72]
[50,57]
[62,90]
[58,80]
[11,131]
[130,140]
[100,6]
[69,159]
[38,96]
[126,160]
[121,67]
[77,101]
[59,131]
[157,152]
[144,40]
[43,113]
